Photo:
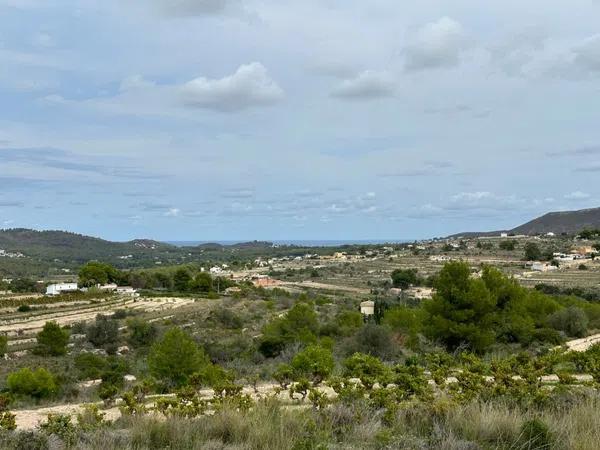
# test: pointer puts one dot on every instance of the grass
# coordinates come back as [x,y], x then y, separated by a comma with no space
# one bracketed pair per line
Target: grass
[572,423]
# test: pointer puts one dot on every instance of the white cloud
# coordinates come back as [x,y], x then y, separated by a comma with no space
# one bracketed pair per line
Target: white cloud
[437,45]
[248,87]
[172,212]
[577,195]
[367,85]
[587,55]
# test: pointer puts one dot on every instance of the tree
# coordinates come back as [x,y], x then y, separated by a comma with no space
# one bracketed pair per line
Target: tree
[532,251]
[38,384]
[104,331]
[508,245]
[23,285]
[404,278]
[300,324]
[314,362]
[52,340]
[571,320]
[462,310]
[175,357]
[95,272]
[181,280]
[141,333]
[367,368]
[201,283]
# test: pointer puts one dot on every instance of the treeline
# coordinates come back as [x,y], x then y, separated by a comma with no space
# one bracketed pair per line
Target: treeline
[184,279]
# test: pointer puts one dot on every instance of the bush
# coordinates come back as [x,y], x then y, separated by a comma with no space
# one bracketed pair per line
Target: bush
[52,340]
[175,357]
[404,278]
[532,252]
[90,366]
[508,245]
[60,425]
[375,340]
[104,331]
[38,384]
[571,320]
[314,362]
[141,333]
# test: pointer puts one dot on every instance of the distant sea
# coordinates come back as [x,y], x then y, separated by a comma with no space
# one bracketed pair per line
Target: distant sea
[299,243]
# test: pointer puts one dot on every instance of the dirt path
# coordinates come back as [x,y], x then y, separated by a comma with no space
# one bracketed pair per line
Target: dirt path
[581,345]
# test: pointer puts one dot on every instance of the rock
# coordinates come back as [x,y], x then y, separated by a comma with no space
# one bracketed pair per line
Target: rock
[129,378]
[123,350]
[583,378]
[549,378]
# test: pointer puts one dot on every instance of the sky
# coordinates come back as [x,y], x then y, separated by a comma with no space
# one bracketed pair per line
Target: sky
[273,119]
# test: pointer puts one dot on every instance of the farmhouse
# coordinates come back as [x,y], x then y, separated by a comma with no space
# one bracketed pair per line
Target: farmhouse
[59,288]
[367,308]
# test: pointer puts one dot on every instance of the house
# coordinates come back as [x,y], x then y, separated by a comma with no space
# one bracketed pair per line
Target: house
[216,270]
[127,290]
[367,308]
[107,287]
[263,281]
[503,235]
[542,267]
[59,288]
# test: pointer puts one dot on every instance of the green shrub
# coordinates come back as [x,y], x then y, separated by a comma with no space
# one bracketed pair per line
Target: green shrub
[175,357]
[90,366]
[60,425]
[38,383]
[314,362]
[141,333]
[104,331]
[572,320]
[52,340]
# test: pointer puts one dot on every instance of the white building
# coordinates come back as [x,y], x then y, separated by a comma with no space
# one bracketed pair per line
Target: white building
[367,308]
[126,290]
[59,288]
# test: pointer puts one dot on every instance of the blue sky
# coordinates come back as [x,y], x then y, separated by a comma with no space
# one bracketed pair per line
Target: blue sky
[244,119]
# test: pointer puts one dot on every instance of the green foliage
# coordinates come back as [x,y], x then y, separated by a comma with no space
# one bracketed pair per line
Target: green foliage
[175,357]
[462,310]
[508,245]
[406,320]
[103,332]
[141,332]
[532,251]
[300,324]
[367,368]
[572,321]
[91,418]
[7,419]
[60,425]
[52,340]
[37,383]
[89,365]
[94,273]
[373,340]
[314,362]
[404,278]
[182,279]
[284,375]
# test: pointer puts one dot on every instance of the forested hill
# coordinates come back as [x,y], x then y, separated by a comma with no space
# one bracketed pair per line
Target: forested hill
[570,222]
[71,247]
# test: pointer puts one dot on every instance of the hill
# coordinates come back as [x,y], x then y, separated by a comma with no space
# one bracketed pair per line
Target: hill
[569,222]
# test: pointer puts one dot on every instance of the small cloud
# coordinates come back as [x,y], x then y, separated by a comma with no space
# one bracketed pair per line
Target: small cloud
[172,212]
[437,45]
[43,40]
[11,204]
[366,86]
[250,86]
[238,193]
[577,195]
